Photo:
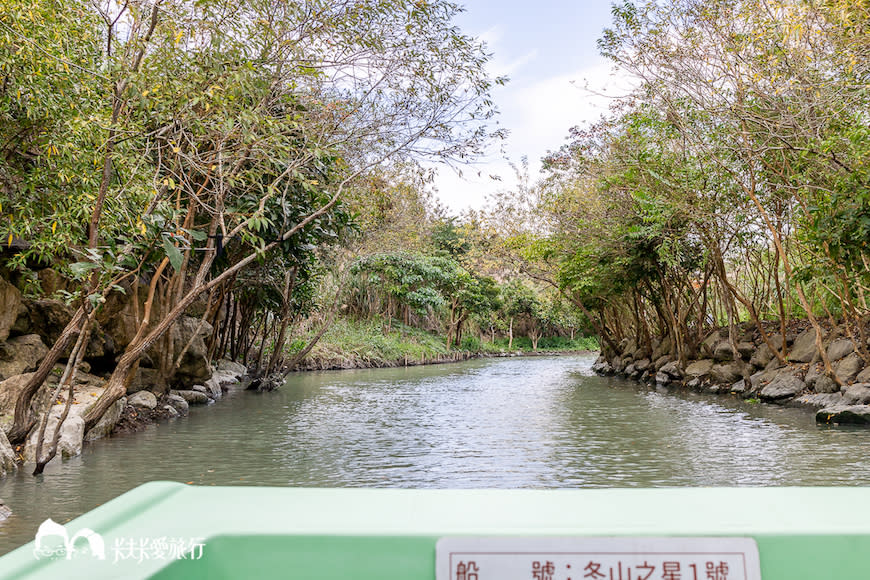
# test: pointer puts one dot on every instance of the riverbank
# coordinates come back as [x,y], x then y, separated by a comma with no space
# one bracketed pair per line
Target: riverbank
[358,344]
[748,368]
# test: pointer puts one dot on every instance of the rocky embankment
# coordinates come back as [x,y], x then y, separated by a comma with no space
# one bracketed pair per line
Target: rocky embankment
[27,325]
[754,372]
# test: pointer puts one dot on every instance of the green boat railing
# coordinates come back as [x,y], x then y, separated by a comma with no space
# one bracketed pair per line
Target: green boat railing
[169,530]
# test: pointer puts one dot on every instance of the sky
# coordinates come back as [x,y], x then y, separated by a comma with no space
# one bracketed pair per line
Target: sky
[548,50]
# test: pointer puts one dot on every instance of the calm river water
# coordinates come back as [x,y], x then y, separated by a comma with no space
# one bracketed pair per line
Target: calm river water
[518,423]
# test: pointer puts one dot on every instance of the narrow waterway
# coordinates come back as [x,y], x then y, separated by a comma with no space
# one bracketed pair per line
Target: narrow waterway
[517,423]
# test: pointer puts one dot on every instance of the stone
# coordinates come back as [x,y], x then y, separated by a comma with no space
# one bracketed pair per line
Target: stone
[192,397]
[661,361]
[630,369]
[10,300]
[740,387]
[194,367]
[147,379]
[661,349]
[641,352]
[672,369]
[9,390]
[107,422]
[143,400]
[761,357]
[52,282]
[20,355]
[178,403]
[840,348]
[641,365]
[784,386]
[846,414]
[825,384]
[813,374]
[776,341]
[72,434]
[722,351]
[727,373]
[858,394]
[699,368]
[694,383]
[662,378]
[848,368]
[804,347]
[199,389]
[818,400]
[8,464]
[170,410]
[709,343]
[746,349]
[863,376]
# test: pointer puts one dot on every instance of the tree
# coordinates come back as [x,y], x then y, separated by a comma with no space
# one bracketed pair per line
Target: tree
[222,123]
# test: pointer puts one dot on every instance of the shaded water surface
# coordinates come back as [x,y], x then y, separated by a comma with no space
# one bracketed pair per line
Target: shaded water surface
[518,423]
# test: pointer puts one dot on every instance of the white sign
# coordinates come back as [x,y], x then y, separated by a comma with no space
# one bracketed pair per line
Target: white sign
[612,558]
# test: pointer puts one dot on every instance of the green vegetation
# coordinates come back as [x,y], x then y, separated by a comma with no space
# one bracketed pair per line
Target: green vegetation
[730,185]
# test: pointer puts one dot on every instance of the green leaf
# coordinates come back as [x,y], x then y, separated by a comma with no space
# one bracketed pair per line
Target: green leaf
[172,253]
[79,269]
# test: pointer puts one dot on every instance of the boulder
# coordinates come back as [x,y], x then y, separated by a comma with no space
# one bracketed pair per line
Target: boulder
[761,357]
[10,300]
[848,368]
[699,368]
[863,376]
[20,355]
[147,379]
[741,387]
[858,394]
[48,318]
[194,367]
[819,401]
[804,347]
[199,389]
[661,349]
[672,369]
[641,365]
[856,414]
[825,384]
[170,410]
[630,369]
[143,400]
[727,373]
[813,374]
[52,282]
[192,397]
[840,348]
[661,361]
[784,386]
[694,383]
[709,343]
[107,422]
[662,378]
[746,349]
[722,351]
[178,403]
[9,390]
[776,341]
[7,455]
[72,434]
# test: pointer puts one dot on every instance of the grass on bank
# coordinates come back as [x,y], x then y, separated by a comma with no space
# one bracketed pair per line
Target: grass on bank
[370,343]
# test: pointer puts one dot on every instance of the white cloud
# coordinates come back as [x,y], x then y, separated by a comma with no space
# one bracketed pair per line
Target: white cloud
[538,115]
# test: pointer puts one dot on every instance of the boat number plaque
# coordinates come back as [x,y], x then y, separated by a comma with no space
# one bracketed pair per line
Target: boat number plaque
[610,558]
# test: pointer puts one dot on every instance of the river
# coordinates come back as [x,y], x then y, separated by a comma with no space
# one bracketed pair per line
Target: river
[534,422]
